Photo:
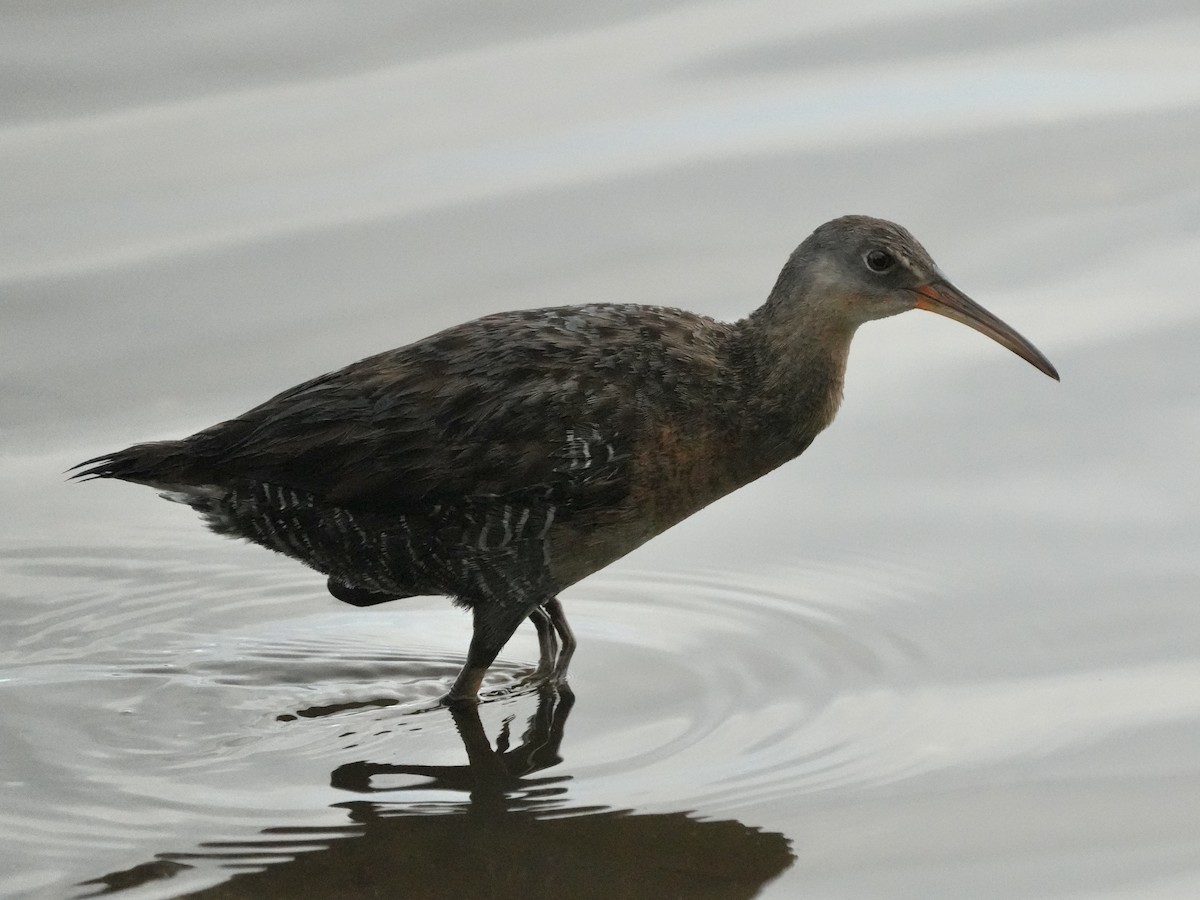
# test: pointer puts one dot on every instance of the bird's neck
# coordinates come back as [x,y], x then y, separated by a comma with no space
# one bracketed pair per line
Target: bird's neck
[794,364]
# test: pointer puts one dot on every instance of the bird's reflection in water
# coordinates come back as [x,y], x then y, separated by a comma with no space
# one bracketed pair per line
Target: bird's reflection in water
[512,835]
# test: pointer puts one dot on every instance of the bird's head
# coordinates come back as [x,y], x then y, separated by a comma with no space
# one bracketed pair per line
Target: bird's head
[855,269]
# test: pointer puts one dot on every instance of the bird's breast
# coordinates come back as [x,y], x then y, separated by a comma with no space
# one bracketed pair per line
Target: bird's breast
[675,471]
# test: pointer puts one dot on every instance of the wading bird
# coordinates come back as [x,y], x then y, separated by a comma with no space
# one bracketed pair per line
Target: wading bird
[504,459]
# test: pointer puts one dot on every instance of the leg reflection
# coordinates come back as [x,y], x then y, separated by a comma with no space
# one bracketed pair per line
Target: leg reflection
[488,769]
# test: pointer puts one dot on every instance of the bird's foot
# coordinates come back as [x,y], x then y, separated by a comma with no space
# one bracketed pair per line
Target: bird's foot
[450,700]
[544,676]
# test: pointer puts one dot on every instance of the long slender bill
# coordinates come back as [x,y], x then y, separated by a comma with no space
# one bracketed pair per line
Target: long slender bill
[945,299]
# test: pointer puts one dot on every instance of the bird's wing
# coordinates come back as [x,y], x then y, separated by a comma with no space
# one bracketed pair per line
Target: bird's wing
[506,408]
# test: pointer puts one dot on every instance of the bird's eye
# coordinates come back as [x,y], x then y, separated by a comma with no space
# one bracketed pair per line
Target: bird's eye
[879,260]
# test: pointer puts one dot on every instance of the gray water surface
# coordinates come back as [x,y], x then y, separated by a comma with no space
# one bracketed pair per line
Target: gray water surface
[951,652]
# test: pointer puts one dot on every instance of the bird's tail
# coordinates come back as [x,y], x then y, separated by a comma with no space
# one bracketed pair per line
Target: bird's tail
[158,464]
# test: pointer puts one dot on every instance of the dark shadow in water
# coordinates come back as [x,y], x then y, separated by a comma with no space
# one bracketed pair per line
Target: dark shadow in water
[512,836]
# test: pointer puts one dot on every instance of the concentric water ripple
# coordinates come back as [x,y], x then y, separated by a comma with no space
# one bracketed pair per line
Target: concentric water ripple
[206,681]
[736,685]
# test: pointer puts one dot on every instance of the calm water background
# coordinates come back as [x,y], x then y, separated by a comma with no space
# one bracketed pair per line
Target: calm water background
[952,652]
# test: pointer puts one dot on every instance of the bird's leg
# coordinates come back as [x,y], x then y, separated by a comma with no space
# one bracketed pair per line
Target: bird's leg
[552,627]
[558,618]
[547,644]
[494,625]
